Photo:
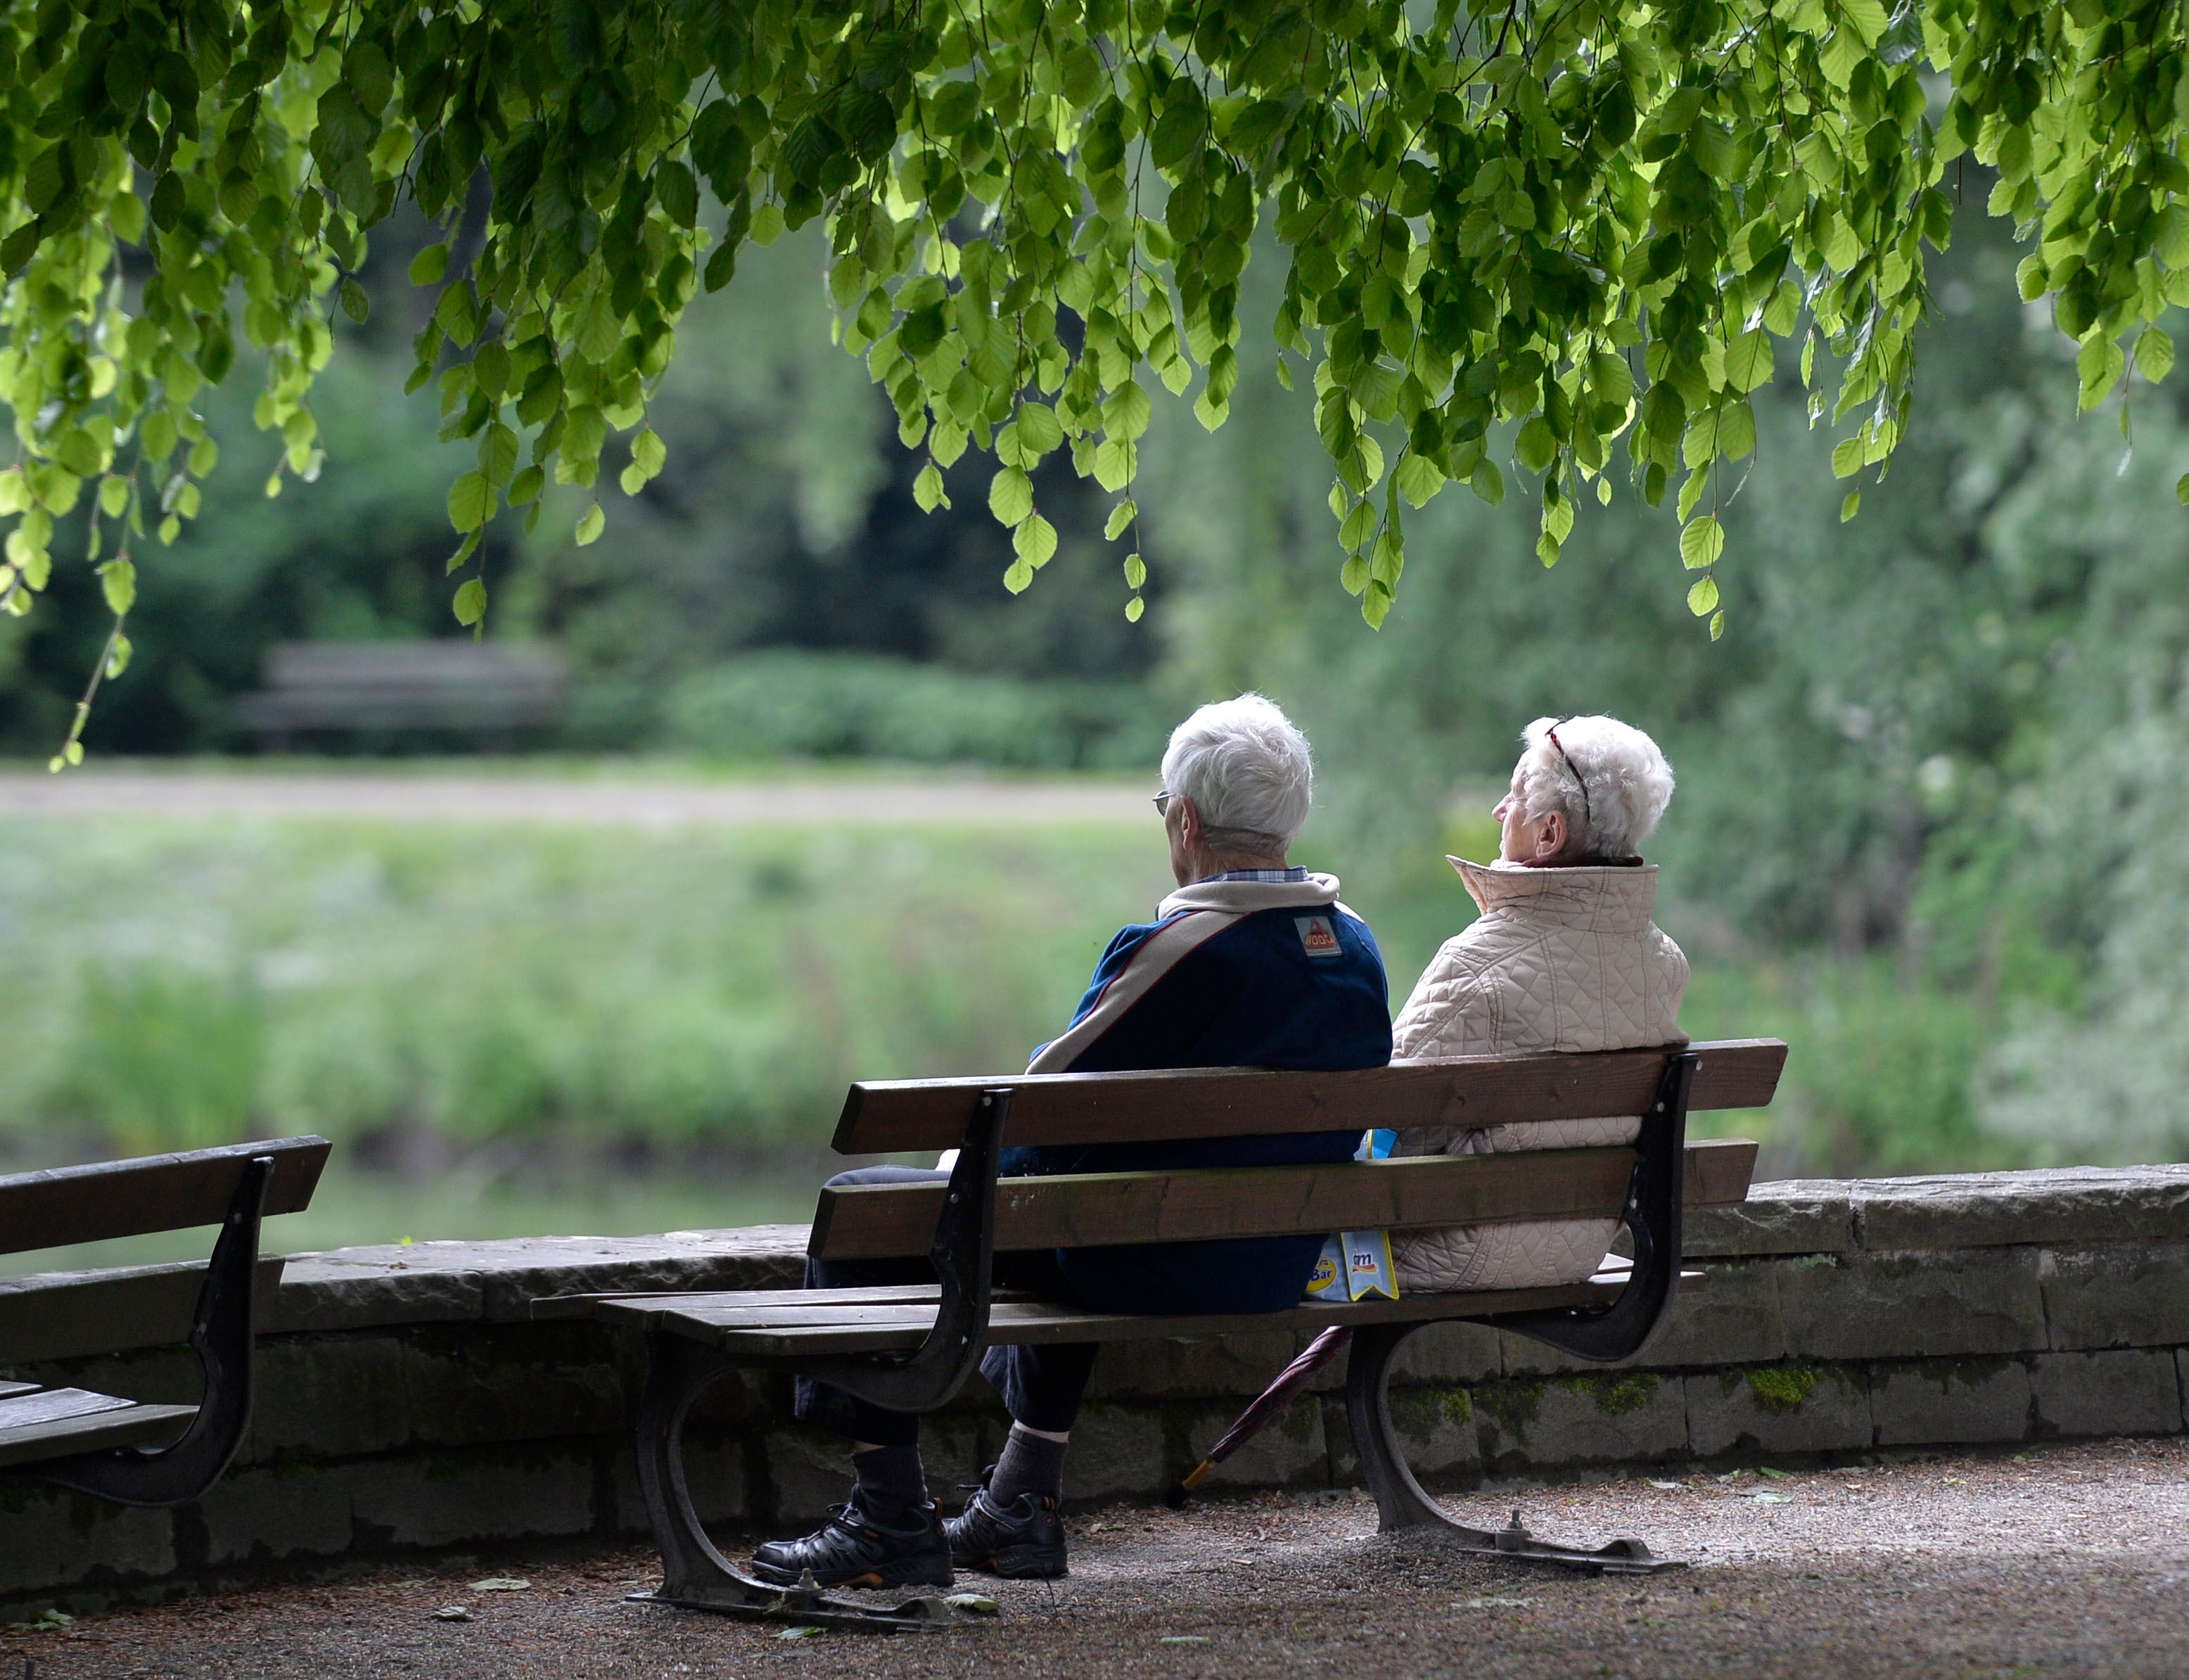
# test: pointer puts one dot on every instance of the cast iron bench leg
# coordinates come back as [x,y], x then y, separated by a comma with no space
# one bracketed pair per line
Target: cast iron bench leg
[695,1574]
[221,1336]
[1654,1201]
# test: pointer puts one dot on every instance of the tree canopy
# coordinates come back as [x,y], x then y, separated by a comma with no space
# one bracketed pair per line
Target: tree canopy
[1515,233]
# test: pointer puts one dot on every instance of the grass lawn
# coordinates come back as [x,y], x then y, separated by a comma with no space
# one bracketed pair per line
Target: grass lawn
[590,1028]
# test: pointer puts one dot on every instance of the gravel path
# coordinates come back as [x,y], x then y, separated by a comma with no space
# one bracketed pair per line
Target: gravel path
[2072,1560]
[619,799]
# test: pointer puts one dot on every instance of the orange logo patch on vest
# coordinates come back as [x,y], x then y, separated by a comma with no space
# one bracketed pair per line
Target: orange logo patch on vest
[1317,937]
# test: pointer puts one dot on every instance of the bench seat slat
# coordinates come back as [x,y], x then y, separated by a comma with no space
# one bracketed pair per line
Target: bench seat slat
[118,1423]
[1041,1323]
[886,1116]
[1095,1209]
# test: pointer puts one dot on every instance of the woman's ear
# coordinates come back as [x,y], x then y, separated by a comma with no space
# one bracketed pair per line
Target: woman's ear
[1550,837]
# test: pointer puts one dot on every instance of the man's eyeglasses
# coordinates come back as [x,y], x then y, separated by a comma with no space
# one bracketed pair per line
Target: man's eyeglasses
[1163,803]
[1580,781]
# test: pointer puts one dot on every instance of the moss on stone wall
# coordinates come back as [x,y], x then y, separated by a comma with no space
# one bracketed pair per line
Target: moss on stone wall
[1782,1389]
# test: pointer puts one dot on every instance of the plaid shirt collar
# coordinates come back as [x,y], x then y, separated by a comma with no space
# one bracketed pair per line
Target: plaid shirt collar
[1297,872]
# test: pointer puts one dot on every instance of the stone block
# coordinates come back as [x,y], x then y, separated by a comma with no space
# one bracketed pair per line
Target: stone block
[1732,1317]
[1119,1452]
[495,1383]
[1290,1451]
[1436,1429]
[2124,1295]
[1167,1367]
[1779,1409]
[333,1292]
[50,1538]
[1956,1400]
[444,1499]
[329,1396]
[2132,1392]
[1913,1305]
[1798,1216]
[1630,1417]
[2072,1205]
[1440,1354]
[268,1515]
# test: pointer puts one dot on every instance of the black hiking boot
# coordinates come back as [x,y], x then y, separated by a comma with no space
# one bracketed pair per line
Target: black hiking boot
[853,1549]
[1023,1541]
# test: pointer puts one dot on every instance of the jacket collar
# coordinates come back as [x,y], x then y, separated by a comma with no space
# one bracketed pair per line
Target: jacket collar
[1242,898]
[1609,898]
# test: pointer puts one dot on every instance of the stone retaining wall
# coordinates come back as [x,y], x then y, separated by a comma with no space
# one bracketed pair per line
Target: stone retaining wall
[408,1403]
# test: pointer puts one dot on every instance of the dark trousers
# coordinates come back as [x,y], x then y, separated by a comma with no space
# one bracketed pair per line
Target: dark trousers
[1041,1387]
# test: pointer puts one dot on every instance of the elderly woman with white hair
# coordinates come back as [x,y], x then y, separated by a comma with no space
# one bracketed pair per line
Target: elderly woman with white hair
[1253,963]
[1564,958]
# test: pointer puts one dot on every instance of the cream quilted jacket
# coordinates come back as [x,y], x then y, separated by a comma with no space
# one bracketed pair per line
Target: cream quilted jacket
[1560,959]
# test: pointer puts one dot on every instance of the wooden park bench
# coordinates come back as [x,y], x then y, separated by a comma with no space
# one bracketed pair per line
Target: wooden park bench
[911,1348]
[95,1442]
[444,683]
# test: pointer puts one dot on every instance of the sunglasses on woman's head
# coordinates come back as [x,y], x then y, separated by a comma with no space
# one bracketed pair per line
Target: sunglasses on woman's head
[1580,781]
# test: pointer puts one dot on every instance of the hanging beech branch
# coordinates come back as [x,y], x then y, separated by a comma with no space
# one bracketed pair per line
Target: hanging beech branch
[1517,233]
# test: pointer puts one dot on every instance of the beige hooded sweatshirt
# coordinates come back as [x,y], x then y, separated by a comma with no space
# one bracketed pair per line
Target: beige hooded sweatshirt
[1560,960]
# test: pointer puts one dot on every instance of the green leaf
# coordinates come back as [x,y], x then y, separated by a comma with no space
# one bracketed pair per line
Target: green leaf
[1120,518]
[1850,504]
[117,582]
[927,489]
[2154,355]
[1748,361]
[1702,598]
[355,304]
[428,267]
[1136,571]
[113,496]
[1538,445]
[1701,543]
[648,453]
[1488,483]
[1419,479]
[590,523]
[497,455]
[1125,416]
[1039,430]
[470,603]
[1035,540]
[471,502]
[1011,495]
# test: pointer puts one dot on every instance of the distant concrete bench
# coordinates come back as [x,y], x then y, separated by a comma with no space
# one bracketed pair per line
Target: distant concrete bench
[95,1442]
[443,684]
[910,1348]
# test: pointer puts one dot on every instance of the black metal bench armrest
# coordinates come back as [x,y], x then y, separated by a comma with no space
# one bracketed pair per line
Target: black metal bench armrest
[221,1332]
[963,1256]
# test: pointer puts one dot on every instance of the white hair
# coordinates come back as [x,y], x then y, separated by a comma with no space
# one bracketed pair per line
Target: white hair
[1247,770]
[1610,782]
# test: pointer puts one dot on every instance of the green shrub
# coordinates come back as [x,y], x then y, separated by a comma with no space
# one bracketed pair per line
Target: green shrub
[784,704]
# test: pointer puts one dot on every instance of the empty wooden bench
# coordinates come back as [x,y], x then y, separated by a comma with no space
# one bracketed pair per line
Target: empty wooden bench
[910,1348]
[95,1442]
[447,682]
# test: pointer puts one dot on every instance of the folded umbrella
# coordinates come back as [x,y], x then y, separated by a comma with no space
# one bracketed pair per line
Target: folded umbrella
[1273,1399]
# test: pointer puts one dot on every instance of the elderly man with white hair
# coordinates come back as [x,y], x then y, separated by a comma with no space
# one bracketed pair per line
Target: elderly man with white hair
[1252,962]
[1565,957]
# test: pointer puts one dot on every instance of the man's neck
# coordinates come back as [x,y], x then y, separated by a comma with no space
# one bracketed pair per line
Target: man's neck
[1223,863]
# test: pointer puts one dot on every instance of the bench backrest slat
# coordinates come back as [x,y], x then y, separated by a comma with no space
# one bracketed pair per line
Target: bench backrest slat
[886,1116]
[1093,1209]
[153,1193]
